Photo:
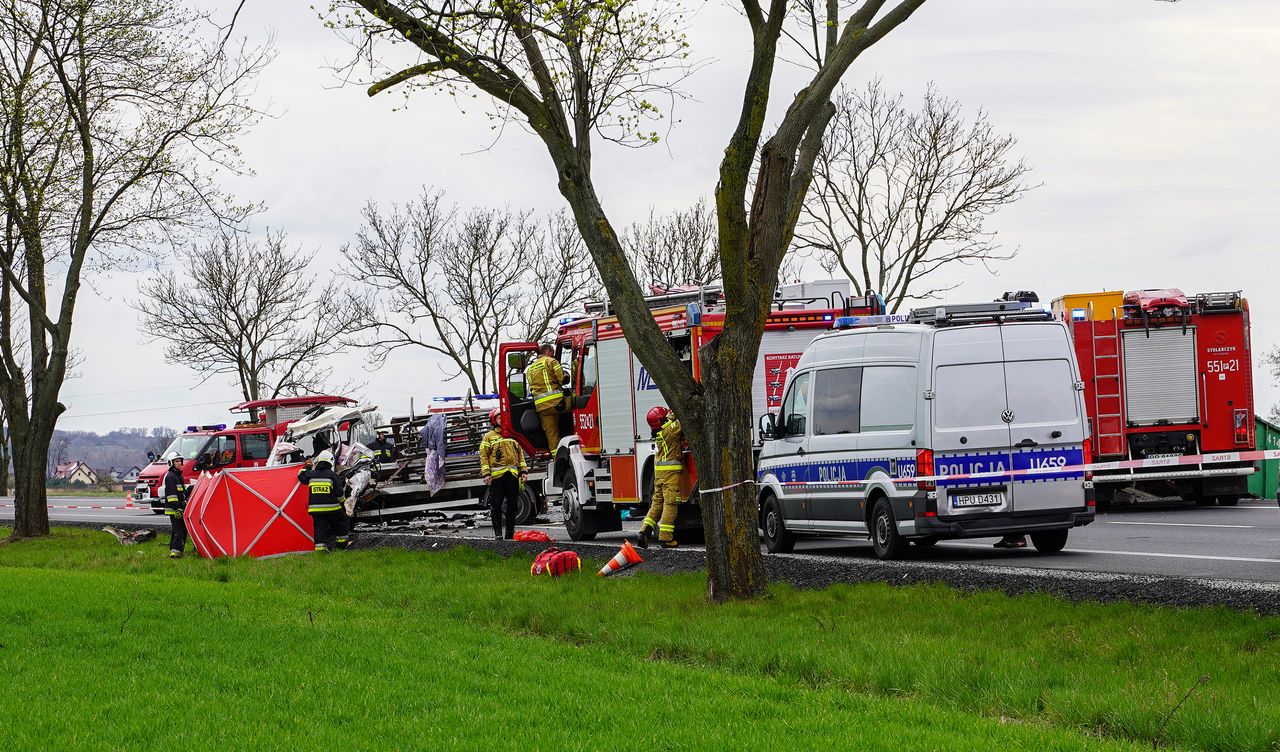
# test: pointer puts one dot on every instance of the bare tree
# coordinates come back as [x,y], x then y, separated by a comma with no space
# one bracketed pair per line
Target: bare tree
[6,452]
[248,310]
[675,249]
[900,195]
[575,70]
[457,283]
[57,455]
[116,115]
[1272,359]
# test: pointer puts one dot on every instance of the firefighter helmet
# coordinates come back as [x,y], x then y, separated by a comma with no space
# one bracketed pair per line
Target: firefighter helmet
[657,416]
[494,415]
[171,456]
[325,456]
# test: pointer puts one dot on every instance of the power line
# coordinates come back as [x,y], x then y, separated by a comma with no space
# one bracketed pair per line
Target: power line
[128,391]
[172,407]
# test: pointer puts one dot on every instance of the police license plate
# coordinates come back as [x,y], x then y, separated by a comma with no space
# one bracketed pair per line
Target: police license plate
[963,501]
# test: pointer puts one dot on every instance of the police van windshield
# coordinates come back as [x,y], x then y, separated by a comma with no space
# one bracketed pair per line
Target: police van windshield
[188,446]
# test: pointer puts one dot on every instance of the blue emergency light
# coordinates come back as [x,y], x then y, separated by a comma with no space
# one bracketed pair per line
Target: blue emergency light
[219,427]
[1079,314]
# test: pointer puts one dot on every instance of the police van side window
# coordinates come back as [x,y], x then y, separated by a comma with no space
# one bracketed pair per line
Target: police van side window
[888,398]
[795,408]
[837,401]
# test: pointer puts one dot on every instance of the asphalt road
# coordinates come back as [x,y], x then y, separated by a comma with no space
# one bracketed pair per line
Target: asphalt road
[1227,543]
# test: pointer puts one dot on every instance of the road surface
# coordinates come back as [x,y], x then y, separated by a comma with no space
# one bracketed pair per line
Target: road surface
[1229,543]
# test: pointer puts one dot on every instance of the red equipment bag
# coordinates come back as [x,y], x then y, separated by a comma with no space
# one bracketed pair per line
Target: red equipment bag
[555,562]
[532,535]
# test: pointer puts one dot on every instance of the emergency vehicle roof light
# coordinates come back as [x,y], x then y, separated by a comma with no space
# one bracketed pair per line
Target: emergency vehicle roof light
[975,313]
[1021,296]
[849,322]
[218,427]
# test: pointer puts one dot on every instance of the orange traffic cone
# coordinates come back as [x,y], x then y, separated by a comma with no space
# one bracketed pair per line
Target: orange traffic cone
[626,558]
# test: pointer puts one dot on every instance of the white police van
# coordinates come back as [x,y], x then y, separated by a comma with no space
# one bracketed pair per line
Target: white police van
[988,389]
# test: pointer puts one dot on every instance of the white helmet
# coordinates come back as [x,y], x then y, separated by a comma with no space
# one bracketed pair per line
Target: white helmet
[171,456]
[325,456]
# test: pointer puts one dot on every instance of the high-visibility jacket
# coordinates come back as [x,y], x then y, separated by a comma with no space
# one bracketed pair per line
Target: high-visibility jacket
[546,378]
[175,493]
[670,447]
[325,489]
[382,450]
[500,455]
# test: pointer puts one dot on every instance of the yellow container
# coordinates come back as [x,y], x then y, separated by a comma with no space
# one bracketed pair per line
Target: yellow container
[1089,306]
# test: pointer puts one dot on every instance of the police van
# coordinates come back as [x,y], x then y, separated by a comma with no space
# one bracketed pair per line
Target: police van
[957,422]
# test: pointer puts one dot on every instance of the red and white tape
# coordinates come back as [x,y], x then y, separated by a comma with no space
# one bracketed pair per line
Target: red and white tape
[1217,458]
[82,506]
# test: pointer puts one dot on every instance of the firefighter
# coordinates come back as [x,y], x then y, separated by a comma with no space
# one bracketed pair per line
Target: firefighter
[546,382]
[503,467]
[382,449]
[668,471]
[175,502]
[326,490]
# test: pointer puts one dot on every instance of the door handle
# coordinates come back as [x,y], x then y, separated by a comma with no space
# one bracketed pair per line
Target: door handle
[1027,443]
[800,452]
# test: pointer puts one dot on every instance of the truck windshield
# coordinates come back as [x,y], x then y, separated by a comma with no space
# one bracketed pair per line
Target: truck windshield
[187,445]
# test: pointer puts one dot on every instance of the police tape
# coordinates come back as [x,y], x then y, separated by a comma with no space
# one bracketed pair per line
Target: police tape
[1217,458]
[130,507]
[748,482]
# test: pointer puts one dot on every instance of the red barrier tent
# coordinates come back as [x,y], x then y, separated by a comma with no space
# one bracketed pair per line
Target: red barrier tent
[251,511]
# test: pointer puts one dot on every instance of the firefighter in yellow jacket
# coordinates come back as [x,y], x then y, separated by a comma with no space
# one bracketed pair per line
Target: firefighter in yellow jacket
[668,471]
[546,380]
[503,467]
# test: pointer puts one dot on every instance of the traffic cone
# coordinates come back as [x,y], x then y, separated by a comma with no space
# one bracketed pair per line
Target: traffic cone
[626,558]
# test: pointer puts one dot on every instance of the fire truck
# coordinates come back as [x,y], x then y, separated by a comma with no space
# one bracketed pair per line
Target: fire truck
[1166,375]
[247,443]
[603,465]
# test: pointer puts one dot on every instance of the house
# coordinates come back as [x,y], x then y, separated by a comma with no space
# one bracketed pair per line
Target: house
[124,474]
[75,472]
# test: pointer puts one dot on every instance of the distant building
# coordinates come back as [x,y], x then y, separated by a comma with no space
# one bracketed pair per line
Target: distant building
[126,475]
[76,472]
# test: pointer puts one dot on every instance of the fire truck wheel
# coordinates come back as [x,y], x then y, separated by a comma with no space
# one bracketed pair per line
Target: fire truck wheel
[1228,501]
[1050,541]
[886,541]
[526,507]
[1204,501]
[575,521]
[776,538]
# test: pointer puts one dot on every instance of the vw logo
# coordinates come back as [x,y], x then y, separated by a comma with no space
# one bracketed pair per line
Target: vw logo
[1007,416]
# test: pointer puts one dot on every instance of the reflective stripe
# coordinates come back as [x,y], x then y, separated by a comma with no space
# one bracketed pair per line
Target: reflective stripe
[538,399]
[333,508]
[666,528]
[648,522]
[171,499]
[321,486]
[502,469]
[670,465]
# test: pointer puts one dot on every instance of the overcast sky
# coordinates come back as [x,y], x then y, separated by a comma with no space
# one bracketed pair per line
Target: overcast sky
[1153,127]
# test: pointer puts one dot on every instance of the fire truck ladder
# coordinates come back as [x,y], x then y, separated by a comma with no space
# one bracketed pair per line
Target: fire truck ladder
[1108,403]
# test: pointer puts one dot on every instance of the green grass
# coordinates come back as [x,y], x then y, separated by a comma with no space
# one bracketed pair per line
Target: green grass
[393,649]
[92,492]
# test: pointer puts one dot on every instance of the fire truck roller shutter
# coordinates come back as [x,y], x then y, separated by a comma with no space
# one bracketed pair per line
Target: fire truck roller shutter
[617,428]
[1160,376]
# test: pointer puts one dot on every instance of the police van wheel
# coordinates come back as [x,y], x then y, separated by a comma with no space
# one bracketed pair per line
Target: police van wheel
[885,539]
[776,538]
[1050,541]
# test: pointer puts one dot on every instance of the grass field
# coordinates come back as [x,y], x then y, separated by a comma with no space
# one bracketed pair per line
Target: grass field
[113,647]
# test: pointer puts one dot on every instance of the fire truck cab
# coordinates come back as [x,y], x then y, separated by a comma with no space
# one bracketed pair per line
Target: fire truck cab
[604,462]
[247,443]
[1166,375]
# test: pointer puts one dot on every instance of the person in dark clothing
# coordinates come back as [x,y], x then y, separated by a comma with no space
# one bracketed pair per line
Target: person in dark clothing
[382,449]
[504,469]
[175,502]
[326,490]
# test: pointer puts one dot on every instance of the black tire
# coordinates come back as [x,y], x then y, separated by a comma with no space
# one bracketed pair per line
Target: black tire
[925,542]
[1050,541]
[884,533]
[526,507]
[777,540]
[575,519]
[1228,501]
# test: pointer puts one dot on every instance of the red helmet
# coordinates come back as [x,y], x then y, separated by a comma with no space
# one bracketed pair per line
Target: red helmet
[494,415]
[656,417]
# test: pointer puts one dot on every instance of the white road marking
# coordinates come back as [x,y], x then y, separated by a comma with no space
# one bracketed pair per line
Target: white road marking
[1140,553]
[1176,524]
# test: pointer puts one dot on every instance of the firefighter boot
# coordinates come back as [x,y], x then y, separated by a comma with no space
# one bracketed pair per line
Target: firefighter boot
[642,540]
[671,544]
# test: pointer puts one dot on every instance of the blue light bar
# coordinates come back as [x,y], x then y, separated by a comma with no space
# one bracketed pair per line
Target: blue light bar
[1079,314]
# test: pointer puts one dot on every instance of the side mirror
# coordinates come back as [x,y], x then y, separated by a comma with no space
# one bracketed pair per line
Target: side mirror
[515,361]
[151,456]
[768,425]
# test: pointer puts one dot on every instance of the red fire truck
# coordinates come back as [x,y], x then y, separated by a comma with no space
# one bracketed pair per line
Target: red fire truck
[1166,375]
[216,447]
[604,463]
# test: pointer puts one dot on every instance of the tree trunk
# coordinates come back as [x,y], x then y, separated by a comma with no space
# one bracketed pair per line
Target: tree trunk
[5,454]
[721,444]
[31,512]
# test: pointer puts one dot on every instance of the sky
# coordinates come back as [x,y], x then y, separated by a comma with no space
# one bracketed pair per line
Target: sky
[1151,127]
